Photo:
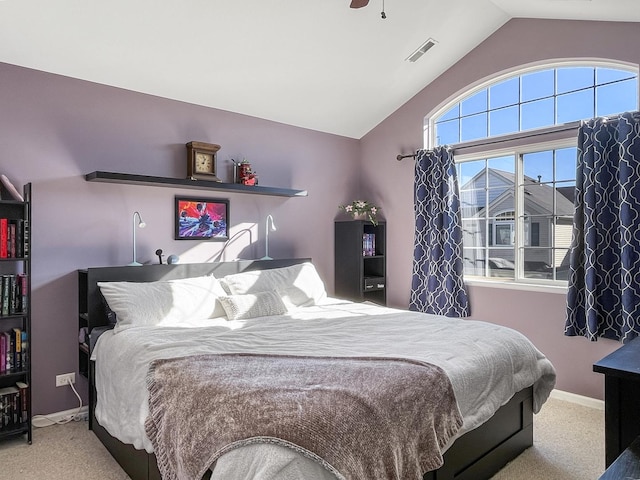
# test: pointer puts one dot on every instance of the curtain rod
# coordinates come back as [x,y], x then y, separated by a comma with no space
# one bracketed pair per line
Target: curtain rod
[457,148]
[400,157]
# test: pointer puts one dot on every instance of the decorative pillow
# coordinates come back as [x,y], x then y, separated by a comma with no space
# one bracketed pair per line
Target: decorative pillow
[301,283]
[292,298]
[164,302]
[261,304]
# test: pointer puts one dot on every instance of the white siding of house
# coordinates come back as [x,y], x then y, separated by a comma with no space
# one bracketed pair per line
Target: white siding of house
[564,230]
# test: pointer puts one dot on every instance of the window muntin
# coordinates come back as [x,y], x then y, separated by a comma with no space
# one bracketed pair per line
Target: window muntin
[534,186]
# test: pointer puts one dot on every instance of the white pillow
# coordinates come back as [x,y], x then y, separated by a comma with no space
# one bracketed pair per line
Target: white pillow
[301,282]
[164,302]
[261,304]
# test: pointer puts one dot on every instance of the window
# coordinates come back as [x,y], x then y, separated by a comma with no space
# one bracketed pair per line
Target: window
[538,99]
[503,231]
[517,187]
[544,180]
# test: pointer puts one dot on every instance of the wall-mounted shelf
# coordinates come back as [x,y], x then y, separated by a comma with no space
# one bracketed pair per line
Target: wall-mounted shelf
[133,179]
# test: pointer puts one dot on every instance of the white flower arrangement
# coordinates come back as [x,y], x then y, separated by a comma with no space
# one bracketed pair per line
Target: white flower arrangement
[361,208]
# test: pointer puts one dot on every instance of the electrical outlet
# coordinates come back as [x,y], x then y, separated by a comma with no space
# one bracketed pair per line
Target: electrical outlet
[64,379]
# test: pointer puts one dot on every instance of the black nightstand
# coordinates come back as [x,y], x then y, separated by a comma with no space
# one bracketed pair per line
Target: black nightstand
[622,398]
[627,465]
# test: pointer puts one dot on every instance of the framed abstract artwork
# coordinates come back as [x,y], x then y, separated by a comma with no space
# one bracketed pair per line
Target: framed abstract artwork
[201,218]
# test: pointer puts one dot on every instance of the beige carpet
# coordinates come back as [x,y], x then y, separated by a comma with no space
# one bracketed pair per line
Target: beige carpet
[568,445]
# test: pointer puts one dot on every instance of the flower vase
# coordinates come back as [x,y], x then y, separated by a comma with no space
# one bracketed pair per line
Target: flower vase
[365,217]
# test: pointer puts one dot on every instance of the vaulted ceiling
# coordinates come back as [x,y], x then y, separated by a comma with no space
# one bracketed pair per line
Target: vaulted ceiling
[316,64]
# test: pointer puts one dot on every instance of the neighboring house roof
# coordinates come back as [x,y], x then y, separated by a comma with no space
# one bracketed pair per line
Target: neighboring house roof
[539,194]
[569,193]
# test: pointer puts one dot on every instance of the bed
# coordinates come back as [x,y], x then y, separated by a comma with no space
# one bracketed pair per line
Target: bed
[497,409]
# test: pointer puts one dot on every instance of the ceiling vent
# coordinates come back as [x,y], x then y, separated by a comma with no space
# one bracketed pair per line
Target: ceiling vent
[422,49]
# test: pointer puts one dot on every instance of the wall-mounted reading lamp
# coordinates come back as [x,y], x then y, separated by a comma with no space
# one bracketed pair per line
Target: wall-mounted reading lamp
[140,224]
[266,238]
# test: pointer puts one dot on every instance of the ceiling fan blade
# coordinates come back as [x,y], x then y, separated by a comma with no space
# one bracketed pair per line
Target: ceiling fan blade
[359,3]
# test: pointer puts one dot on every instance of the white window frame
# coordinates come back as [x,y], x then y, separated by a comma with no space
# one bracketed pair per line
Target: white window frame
[518,152]
[516,144]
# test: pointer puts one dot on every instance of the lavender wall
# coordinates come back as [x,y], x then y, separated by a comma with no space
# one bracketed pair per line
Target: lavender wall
[519,42]
[54,129]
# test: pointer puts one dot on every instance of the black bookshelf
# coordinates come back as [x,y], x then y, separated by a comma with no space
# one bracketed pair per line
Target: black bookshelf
[83,325]
[15,316]
[360,261]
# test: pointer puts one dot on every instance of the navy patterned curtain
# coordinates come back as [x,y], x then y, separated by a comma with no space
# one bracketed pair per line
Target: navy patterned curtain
[437,286]
[604,277]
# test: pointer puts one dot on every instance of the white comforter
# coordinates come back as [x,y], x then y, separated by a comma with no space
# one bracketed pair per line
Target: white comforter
[486,363]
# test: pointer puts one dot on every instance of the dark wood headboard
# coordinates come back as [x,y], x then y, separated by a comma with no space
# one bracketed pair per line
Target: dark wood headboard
[95,308]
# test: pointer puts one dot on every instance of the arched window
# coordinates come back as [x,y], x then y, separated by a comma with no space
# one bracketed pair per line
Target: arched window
[514,140]
[541,98]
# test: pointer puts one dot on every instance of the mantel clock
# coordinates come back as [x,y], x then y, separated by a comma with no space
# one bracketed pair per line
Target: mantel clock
[201,161]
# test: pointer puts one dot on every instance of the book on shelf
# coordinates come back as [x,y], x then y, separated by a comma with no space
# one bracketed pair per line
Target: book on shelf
[25,348]
[26,238]
[368,244]
[3,353]
[14,299]
[8,405]
[16,407]
[14,350]
[12,237]
[6,293]
[4,233]
[16,353]
[7,351]
[13,405]
[11,240]
[19,238]
[24,400]
[11,358]
[22,293]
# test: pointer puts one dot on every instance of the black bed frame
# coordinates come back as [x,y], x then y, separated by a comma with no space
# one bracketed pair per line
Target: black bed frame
[476,455]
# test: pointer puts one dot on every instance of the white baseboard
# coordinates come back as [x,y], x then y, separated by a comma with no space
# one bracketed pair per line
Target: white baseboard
[579,399]
[53,418]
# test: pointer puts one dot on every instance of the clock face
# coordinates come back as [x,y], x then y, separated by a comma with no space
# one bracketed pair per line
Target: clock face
[204,163]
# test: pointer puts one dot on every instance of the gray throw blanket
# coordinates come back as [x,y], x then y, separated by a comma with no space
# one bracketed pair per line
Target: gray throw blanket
[361,418]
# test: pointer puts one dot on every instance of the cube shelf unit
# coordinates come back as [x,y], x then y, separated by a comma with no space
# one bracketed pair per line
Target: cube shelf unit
[360,261]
